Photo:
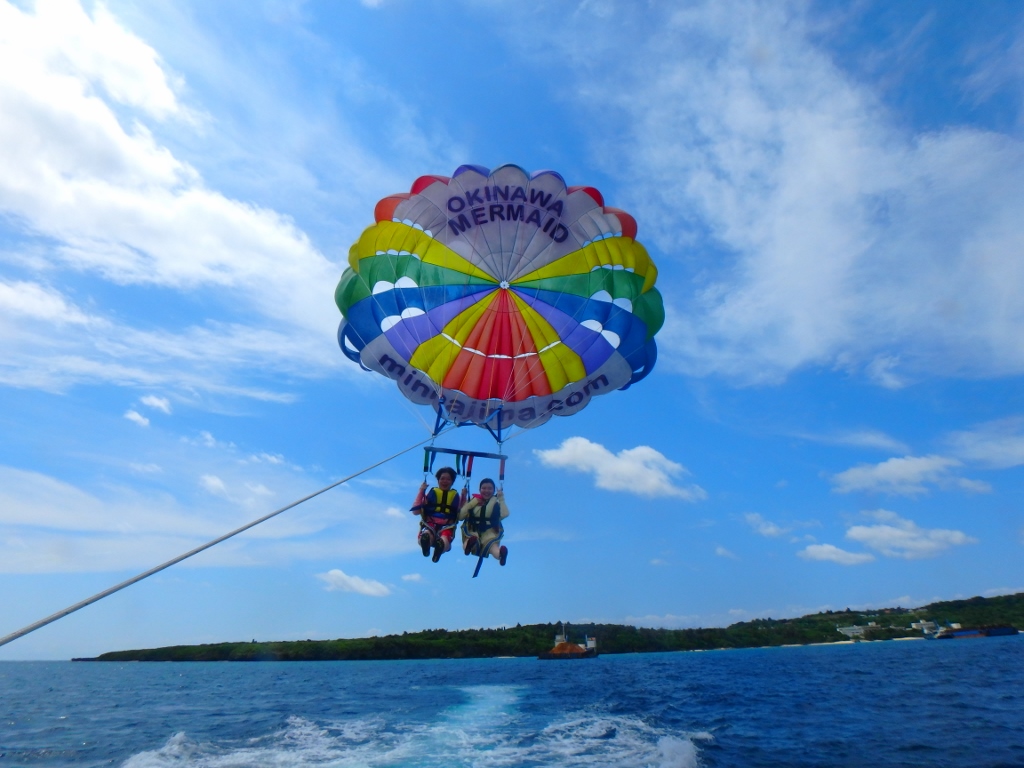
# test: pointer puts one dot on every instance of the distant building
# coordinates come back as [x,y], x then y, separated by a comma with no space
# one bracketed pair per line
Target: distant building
[855,630]
[925,627]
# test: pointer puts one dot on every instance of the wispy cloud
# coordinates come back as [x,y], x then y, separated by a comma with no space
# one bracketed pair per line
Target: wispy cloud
[723,552]
[91,190]
[842,239]
[145,468]
[22,300]
[860,438]
[150,511]
[998,444]
[157,403]
[906,476]
[339,581]
[764,527]
[640,470]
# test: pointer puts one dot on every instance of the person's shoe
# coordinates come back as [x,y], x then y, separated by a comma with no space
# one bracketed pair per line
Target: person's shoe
[438,549]
[425,543]
[502,555]
[469,546]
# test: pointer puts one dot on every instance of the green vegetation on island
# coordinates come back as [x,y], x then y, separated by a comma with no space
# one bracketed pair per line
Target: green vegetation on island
[882,624]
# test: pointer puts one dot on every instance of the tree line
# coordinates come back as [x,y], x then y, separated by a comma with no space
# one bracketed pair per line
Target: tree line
[533,639]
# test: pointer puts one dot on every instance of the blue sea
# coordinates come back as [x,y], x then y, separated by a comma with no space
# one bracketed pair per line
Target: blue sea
[921,703]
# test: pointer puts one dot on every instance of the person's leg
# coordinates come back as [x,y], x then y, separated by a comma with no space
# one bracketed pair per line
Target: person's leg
[499,553]
[443,544]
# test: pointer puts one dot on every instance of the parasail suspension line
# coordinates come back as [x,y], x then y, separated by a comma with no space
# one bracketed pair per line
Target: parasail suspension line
[440,422]
[495,430]
[501,469]
[118,587]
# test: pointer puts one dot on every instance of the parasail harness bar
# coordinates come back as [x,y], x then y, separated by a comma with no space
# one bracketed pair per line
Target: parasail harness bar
[463,461]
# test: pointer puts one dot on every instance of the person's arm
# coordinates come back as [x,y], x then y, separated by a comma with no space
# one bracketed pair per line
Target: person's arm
[421,497]
[504,507]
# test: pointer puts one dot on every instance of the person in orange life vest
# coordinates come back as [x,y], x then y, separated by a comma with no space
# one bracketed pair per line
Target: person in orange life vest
[438,509]
[482,531]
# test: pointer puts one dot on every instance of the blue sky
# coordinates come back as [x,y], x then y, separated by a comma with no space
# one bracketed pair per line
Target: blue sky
[831,192]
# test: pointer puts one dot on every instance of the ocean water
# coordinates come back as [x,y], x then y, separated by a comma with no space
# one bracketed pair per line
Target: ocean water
[957,702]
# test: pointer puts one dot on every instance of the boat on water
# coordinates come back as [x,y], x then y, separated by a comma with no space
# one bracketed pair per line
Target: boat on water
[960,633]
[563,649]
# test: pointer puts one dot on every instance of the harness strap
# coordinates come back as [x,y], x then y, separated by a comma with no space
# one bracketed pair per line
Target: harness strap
[480,520]
[483,553]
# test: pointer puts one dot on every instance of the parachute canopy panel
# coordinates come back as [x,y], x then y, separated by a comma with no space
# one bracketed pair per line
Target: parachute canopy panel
[500,297]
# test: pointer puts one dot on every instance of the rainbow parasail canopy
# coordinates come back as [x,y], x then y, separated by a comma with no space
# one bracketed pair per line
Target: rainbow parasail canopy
[500,298]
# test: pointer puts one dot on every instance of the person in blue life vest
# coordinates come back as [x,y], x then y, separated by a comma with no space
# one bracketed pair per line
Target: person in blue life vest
[482,530]
[438,509]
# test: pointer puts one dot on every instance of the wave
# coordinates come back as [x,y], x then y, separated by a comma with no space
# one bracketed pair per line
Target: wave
[489,729]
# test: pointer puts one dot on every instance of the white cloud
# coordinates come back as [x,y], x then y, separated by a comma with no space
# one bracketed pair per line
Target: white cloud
[906,476]
[412,577]
[21,300]
[62,37]
[259,489]
[723,552]
[832,236]
[137,417]
[267,458]
[972,486]
[157,403]
[396,513]
[207,439]
[124,206]
[834,554]
[213,484]
[339,581]
[641,470]
[764,527]
[895,536]
[882,370]
[998,444]
[82,172]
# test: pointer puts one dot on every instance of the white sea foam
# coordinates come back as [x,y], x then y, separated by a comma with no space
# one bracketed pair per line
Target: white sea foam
[488,729]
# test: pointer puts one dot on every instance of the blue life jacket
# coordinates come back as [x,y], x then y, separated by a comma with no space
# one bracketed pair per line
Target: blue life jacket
[441,507]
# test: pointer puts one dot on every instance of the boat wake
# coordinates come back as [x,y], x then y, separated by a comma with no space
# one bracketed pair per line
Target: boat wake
[488,729]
